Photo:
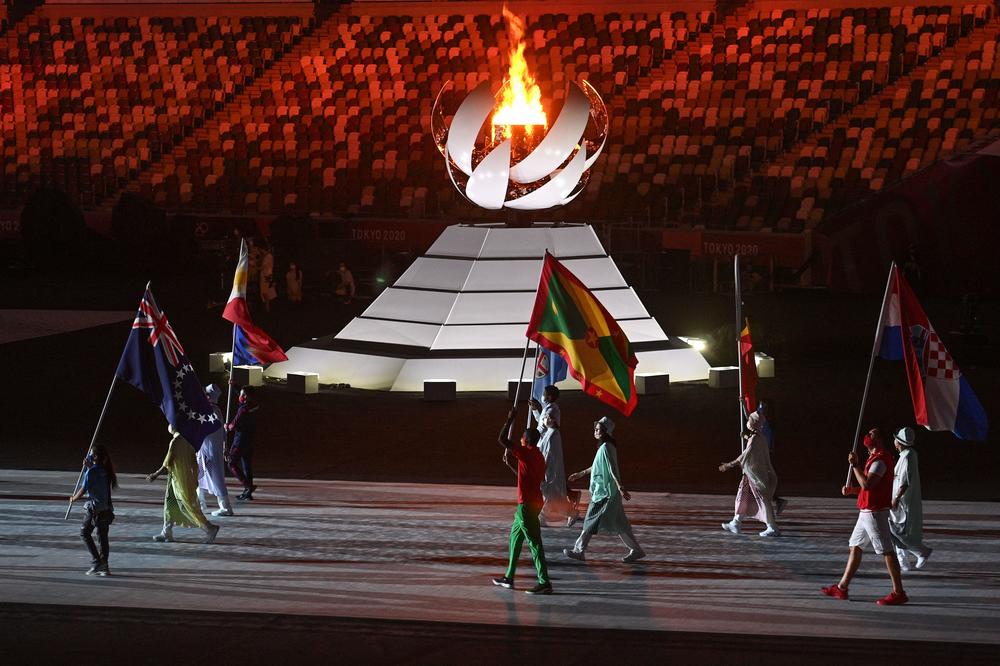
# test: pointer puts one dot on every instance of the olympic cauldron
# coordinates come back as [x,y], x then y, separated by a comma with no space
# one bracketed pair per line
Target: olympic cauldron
[517,161]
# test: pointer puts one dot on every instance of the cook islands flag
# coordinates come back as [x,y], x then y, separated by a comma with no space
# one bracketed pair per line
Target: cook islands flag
[154,362]
[942,398]
[251,345]
[569,320]
[550,369]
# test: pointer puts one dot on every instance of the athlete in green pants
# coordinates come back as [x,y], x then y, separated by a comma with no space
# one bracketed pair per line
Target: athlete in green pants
[530,470]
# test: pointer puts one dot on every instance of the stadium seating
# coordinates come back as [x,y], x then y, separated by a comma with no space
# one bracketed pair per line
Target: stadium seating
[760,119]
[86,104]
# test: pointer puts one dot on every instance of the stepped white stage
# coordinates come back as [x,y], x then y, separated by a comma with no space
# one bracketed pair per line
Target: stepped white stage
[460,312]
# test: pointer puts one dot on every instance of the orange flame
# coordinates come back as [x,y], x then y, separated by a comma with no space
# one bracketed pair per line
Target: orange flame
[522,99]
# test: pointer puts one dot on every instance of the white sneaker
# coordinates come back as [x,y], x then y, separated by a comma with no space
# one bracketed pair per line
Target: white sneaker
[634,556]
[770,532]
[210,533]
[164,536]
[223,512]
[732,526]
[921,561]
[904,562]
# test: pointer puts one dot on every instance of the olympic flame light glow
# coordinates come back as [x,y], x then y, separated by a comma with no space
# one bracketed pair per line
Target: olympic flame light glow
[521,103]
[522,162]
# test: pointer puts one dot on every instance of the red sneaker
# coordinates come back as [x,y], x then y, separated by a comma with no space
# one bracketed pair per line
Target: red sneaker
[893,599]
[835,591]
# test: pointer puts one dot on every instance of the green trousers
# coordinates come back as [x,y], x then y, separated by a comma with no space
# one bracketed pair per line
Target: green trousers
[525,526]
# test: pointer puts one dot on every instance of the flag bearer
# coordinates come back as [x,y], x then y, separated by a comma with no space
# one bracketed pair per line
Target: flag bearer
[874,500]
[98,480]
[755,496]
[530,470]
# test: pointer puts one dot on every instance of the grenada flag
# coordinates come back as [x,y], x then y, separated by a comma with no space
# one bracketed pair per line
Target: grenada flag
[251,345]
[570,321]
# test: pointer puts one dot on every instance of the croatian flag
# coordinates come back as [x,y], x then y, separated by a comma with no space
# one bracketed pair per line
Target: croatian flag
[154,362]
[251,345]
[942,398]
[551,368]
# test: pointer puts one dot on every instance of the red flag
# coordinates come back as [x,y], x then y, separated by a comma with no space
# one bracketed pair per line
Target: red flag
[748,369]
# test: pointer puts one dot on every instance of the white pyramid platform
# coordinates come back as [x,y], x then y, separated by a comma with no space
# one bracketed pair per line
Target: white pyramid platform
[460,312]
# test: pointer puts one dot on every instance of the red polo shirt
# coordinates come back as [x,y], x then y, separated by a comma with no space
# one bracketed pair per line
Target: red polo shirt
[530,475]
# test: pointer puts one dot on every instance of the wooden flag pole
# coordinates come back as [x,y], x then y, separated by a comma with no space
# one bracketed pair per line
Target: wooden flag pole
[100,421]
[738,288]
[871,367]
[93,440]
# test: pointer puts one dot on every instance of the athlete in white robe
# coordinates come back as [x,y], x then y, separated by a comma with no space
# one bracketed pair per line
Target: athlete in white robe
[755,495]
[906,518]
[557,504]
[212,462]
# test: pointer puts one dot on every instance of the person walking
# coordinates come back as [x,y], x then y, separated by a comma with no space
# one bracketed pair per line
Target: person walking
[293,283]
[606,513]
[98,481]
[240,457]
[212,462]
[767,430]
[558,502]
[180,503]
[346,288]
[755,495]
[530,471]
[874,500]
[267,290]
[906,517]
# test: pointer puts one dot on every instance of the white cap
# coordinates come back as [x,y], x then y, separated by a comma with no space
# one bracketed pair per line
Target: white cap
[607,424]
[906,437]
[214,393]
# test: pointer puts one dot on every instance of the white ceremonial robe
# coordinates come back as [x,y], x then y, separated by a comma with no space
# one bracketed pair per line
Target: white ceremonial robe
[759,479]
[212,464]
[550,444]
[906,521]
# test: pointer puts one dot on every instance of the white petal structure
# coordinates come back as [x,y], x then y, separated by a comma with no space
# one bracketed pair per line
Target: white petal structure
[555,171]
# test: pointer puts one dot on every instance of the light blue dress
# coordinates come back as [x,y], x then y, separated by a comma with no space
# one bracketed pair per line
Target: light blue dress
[606,511]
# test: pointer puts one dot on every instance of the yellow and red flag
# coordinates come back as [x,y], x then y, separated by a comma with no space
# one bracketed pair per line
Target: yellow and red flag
[570,321]
[748,369]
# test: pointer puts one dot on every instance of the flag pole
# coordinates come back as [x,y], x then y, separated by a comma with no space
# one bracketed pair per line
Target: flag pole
[517,391]
[871,368]
[738,289]
[534,378]
[524,356]
[229,389]
[100,421]
[232,354]
[93,440]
